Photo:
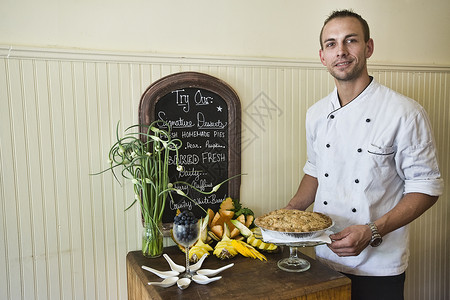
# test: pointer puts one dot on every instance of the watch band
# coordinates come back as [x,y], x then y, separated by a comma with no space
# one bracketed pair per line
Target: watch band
[376,236]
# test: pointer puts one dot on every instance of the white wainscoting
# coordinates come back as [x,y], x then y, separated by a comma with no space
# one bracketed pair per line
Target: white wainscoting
[64,234]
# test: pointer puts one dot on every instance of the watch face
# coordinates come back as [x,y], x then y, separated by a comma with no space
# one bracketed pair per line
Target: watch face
[376,242]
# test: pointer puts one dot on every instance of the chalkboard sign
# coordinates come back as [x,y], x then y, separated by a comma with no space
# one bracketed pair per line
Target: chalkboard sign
[204,113]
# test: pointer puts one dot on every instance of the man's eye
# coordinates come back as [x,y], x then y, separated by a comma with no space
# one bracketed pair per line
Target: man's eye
[350,41]
[329,45]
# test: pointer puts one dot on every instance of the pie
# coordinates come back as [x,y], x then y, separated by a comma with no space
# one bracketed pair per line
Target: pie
[292,220]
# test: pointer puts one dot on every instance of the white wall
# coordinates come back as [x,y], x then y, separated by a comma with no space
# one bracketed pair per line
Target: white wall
[405,31]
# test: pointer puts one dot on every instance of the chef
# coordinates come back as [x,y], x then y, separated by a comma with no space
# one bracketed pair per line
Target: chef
[371,165]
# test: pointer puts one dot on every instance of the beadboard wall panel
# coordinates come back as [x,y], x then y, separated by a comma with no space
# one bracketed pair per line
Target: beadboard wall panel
[64,234]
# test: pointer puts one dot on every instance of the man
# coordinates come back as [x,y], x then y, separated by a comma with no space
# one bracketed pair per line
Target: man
[371,165]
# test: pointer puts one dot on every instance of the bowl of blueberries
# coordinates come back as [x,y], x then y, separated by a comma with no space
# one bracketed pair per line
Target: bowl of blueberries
[186,231]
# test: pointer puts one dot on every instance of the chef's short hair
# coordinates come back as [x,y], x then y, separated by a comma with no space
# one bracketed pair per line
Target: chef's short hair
[346,13]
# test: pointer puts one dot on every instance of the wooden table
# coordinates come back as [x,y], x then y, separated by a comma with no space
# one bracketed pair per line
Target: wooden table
[247,279]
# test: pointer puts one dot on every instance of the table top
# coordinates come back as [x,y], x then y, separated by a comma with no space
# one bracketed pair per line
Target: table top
[247,279]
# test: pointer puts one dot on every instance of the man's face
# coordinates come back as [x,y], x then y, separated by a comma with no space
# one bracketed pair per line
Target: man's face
[344,51]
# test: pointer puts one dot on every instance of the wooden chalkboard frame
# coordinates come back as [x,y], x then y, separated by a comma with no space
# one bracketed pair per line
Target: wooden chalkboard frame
[165,85]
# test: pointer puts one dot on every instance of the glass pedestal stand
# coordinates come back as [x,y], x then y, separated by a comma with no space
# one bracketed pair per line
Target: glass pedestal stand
[293,263]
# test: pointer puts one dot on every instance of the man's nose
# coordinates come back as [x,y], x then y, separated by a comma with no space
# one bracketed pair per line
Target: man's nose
[342,50]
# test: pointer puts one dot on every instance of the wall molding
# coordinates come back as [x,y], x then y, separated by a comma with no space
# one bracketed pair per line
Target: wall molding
[59,114]
[72,54]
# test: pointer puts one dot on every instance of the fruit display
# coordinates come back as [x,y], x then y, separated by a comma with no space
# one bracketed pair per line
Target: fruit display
[229,232]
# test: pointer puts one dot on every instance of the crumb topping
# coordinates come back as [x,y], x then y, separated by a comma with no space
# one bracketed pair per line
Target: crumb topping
[291,220]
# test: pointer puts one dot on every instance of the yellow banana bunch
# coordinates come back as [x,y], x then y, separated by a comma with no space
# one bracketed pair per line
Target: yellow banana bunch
[198,250]
[247,250]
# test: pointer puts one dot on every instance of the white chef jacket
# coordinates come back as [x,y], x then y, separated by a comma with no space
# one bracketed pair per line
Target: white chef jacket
[366,155]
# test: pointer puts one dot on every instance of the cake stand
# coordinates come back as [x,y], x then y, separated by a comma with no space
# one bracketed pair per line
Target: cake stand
[293,263]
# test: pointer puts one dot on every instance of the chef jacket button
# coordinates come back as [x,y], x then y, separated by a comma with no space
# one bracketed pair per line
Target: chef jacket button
[356,180]
[327,145]
[359,150]
[354,210]
[326,174]
[367,120]
[325,203]
[331,116]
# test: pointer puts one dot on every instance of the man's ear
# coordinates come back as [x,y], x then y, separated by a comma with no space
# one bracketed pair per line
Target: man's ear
[369,48]
[321,57]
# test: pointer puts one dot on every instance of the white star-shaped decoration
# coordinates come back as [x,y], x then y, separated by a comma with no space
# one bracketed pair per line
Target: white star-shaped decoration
[219,108]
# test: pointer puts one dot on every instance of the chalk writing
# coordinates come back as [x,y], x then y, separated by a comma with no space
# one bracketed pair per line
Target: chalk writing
[200,119]
[219,134]
[184,159]
[211,157]
[179,123]
[192,173]
[203,185]
[182,100]
[209,199]
[213,145]
[195,134]
[202,123]
[183,204]
[201,100]
[190,145]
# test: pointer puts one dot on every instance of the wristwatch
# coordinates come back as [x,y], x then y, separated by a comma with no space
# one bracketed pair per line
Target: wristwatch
[376,237]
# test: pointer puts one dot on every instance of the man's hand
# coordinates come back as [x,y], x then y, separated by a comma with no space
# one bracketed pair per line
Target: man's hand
[351,241]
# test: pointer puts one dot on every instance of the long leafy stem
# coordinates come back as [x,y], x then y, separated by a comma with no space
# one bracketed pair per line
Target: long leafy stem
[144,159]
